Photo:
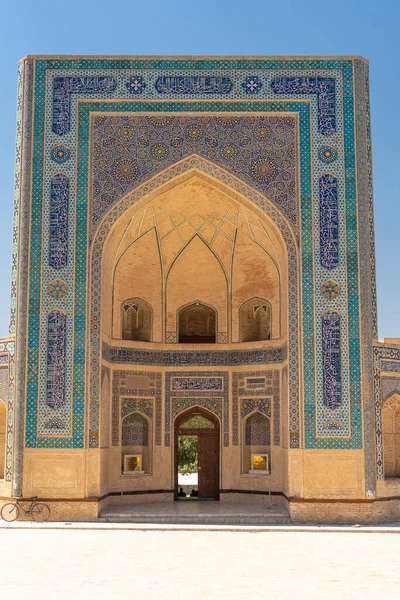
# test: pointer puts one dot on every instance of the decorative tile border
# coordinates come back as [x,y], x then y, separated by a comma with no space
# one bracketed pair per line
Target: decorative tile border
[126,399]
[20,271]
[382,357]
[214,400]
[7,350]
[366,257]
[245,399]
[186,358]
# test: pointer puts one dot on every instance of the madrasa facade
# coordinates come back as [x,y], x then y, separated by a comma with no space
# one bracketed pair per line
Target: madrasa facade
[193,253]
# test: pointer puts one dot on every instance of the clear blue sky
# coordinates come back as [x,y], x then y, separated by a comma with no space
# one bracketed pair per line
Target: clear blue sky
[369,28]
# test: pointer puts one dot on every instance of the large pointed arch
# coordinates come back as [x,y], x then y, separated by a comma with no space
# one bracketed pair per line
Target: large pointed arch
[278,226]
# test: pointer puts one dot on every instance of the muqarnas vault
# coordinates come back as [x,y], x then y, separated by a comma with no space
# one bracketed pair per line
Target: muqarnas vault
[193,251]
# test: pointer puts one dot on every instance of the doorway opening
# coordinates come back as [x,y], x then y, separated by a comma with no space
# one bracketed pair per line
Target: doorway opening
[196,455]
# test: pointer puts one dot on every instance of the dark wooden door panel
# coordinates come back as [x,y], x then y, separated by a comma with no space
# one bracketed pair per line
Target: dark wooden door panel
[208,466]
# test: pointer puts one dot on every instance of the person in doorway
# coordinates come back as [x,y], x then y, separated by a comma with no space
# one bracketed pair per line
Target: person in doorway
[194,494]
[181,493]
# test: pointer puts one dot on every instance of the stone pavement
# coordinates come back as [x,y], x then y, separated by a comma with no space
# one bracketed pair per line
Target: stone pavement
[40,563]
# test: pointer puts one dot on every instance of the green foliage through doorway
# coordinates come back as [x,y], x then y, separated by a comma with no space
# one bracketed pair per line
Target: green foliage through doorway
[187,454]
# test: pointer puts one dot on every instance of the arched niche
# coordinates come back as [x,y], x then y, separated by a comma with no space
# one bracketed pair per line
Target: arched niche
[194,239]
[136,320]
[391,435]
[256,440]
[256,273]
[136,213]
[255,320]
[197,276]
[136,439]
[197,324]
[137,276]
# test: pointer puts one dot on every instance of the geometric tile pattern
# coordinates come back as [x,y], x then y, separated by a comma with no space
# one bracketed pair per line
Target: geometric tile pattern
[135,391]
[257,430]
[390,386]
[203,393]
[327,154]
[330,289]
[249,391]
[57,289]
[135,430]
[365,249]
[130,149]
[60,154]
[22,244]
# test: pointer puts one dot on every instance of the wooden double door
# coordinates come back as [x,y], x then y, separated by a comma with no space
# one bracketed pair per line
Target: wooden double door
[208,455]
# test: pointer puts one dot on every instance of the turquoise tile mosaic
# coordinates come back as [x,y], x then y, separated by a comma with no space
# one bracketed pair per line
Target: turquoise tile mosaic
[327,101]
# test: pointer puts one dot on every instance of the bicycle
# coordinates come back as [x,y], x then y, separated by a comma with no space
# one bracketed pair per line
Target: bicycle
[39,511]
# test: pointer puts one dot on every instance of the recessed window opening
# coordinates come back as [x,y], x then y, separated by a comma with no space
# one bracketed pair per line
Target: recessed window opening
[197,324]
[255,320]
[136,317]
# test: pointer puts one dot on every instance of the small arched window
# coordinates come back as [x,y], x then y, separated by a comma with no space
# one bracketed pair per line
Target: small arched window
[255,320]
[135,430]
[197,324]
[137,320]
[391,436]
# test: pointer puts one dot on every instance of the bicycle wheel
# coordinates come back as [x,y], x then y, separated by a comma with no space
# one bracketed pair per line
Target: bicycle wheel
[10,512]
[40,512]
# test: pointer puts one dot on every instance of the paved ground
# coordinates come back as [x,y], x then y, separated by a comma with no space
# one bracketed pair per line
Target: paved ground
[140,565]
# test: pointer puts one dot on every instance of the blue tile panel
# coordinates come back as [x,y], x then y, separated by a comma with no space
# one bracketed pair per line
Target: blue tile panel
[331,359]
[59,200]
[56,347]
[329,221]
[331,103]
[193,85]
[63,87]
[322,87]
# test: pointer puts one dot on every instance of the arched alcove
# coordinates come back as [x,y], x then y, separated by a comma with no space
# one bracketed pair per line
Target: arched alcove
[194,211]
[137,285]
[194,240]
[256,444]
[197,279]
[255,320]
[136,440]
[136,320]
[197,324]
[391,435]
